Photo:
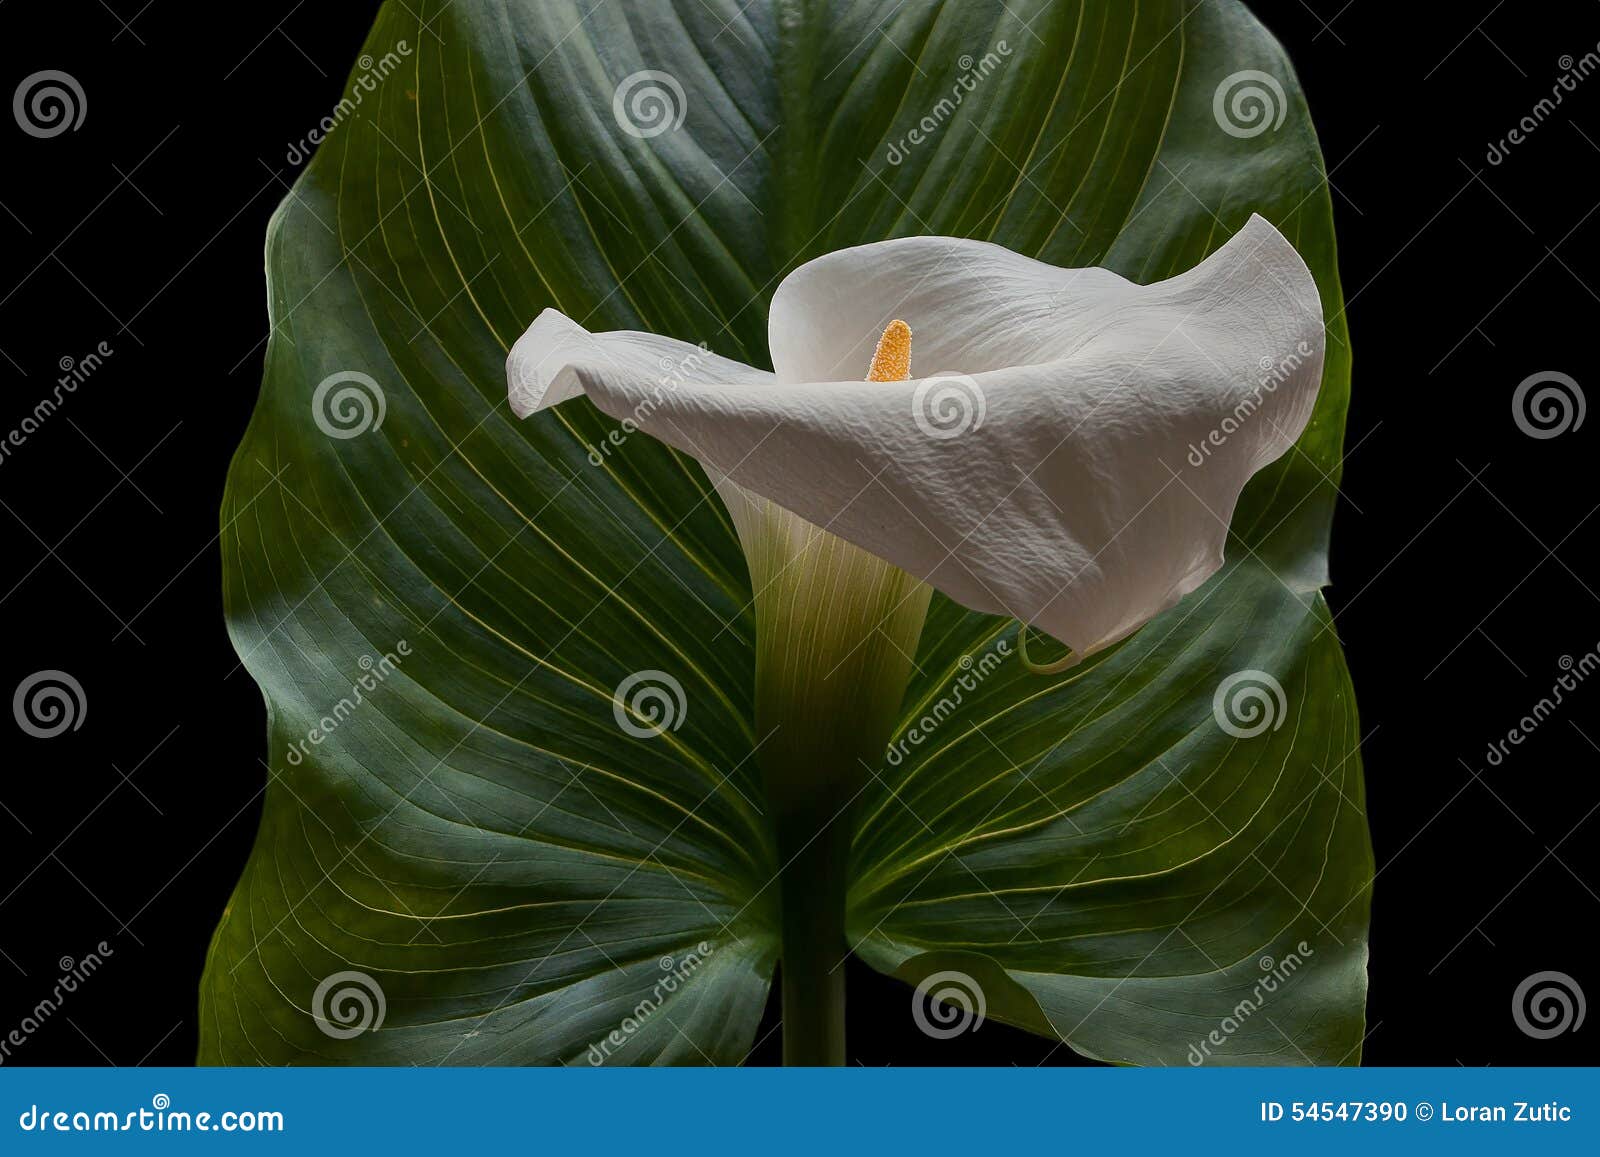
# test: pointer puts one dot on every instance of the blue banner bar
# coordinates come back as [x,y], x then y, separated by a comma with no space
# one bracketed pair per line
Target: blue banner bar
[778,1111]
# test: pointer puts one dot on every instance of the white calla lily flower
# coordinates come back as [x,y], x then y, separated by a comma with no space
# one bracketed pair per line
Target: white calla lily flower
[1072,461]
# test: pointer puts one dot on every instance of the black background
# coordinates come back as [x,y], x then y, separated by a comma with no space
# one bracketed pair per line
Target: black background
[1463,565]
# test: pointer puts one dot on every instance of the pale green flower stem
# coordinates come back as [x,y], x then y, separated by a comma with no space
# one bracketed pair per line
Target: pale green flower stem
[836,631]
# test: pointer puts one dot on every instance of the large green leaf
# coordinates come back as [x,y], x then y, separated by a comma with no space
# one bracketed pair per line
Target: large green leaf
[517,874]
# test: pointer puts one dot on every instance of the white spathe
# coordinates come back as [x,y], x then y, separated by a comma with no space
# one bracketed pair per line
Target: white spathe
[1045,470]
